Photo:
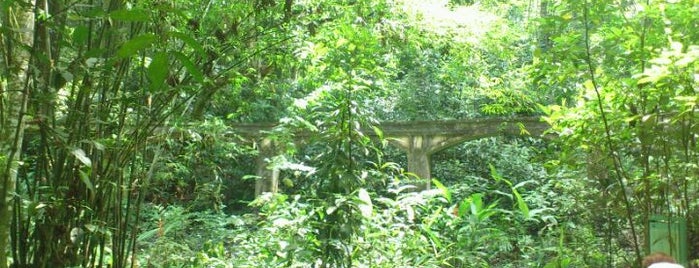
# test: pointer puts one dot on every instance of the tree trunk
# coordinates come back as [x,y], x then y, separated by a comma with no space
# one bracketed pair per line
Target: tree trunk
[18,24]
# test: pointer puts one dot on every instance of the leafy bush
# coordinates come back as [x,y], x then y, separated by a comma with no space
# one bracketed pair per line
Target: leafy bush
[404,229]
[196,167]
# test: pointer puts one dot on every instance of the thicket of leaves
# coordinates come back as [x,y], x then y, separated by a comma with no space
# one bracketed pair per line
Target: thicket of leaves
[132,157]
[632,69]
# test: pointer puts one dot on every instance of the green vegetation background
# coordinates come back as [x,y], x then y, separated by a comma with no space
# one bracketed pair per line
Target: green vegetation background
[119,145]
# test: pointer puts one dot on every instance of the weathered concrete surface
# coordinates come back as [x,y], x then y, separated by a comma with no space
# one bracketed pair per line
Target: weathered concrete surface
[419,139]
[268,178]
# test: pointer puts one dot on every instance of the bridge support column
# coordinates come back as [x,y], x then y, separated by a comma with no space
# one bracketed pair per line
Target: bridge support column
[419,149]
[419,164]
[268,178]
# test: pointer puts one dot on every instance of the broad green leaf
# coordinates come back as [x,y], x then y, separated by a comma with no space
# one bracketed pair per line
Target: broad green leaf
[148,234]
[476,203]
[445,191]
[378,132]
[136,44]
[565,262]
[191,68]
[85,178]
[494,173]
[521,204]
[157,71]
[648,79]
[80,34]
[80,155]
[288,182]
[464,207]
[432,236]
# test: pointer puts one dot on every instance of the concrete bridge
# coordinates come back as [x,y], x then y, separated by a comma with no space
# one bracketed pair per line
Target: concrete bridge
[418,139]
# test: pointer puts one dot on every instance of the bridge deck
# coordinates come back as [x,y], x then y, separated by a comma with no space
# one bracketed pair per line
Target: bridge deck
[419,139]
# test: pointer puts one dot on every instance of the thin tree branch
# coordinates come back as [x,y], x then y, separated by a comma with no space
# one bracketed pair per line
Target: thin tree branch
[613,152]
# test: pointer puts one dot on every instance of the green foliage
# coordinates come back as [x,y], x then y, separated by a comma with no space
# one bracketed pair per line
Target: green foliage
[457,62]
[630,77]
[195,167]
[130,158]
[395,229]
[109,85]
[175,236]
[553,197]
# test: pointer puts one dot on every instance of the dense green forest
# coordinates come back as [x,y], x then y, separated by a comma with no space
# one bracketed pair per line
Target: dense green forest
[257,133]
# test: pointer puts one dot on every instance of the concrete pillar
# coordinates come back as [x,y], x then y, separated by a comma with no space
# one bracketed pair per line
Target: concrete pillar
[419,164]
[268,179]
[418,149]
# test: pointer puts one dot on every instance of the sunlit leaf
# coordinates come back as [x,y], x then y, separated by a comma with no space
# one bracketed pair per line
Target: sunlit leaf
[288,182]
[99,146]
[366,207]
[281,222]
[523,129]
[476,203]
[494,173]
[464,207]
[330,210]
[445,191]
[341,42]
[685,61]
[432,236]
[80,155]
[523,207]
[378,132]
